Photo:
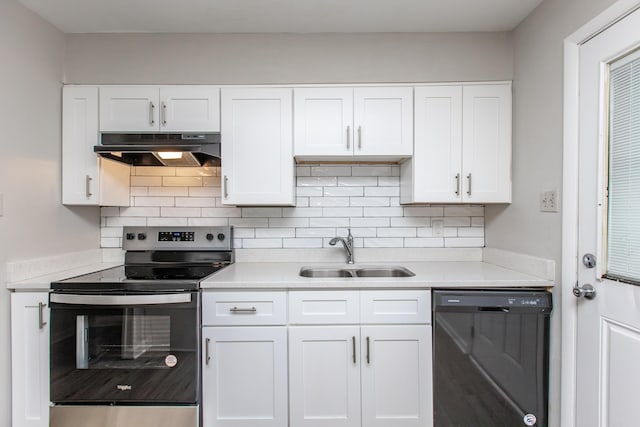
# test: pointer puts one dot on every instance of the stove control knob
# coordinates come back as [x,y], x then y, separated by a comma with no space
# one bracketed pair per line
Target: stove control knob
[221,236]
[131,236]
[209,236]
[142,236]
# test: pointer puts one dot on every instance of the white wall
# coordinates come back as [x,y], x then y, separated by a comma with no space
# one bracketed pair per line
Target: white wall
[287,58]
[34,222]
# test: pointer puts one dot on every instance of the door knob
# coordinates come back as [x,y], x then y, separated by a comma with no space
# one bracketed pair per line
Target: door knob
[587,291]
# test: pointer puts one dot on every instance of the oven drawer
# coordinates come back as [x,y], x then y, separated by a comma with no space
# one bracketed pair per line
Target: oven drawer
[324,307]
[395,307]
[244,308]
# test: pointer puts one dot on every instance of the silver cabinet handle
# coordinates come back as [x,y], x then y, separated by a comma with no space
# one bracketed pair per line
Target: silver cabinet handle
[457,184]
[348,137]
[207,357]
[368,352]
[226,187]
[243,310]
[164,114]
[87,186]
[41,322]
[353,345]
[359,137]
[469,188]
[152,109]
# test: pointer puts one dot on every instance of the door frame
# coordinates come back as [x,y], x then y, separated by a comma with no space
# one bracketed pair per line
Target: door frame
[570,167]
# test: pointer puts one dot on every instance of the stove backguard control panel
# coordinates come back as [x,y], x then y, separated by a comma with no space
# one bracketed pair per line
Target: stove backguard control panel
[177,238]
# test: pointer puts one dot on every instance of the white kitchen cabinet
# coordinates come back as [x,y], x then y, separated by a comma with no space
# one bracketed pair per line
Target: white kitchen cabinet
[244,376]
[30,359]
[369,122]
[257,147]
[462,148]
[86,178]
[160,109]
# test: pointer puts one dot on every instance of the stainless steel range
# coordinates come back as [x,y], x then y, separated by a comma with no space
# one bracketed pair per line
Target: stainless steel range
[125,342]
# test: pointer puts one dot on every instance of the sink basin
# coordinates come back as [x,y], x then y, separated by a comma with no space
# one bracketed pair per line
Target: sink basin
[382,271]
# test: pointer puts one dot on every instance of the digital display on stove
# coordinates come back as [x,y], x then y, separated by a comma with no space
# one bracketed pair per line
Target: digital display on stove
[175,236]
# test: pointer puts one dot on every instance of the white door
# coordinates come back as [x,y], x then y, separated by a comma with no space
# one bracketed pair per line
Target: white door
[129,109]
[189,109]
[383,121]
[486,143]
[324,375]
[257,147]
[30,359]
[244,376]
[608,325]
[396,376]
[323,121]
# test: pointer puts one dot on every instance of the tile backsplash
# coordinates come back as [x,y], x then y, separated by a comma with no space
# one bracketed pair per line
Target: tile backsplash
[330,199]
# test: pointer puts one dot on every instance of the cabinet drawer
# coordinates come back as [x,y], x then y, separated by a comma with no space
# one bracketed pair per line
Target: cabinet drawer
[324,307]
[395,307]
[244,308]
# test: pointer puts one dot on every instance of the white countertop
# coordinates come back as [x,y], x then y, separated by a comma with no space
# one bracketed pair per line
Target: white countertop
[433,274]
[44,282]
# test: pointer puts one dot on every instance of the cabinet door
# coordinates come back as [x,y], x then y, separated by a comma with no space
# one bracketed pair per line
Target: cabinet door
[129,109]
[433,175]
[189,109]
[486,143]
[324,373]
[244,377]
[383,121]
[30,359]
[257,147]
[323,121]
[396,376]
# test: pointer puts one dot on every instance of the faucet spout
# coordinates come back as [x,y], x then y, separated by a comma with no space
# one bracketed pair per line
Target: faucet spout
[347,243]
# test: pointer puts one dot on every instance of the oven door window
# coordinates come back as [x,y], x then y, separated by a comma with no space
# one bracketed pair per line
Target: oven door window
[128,353]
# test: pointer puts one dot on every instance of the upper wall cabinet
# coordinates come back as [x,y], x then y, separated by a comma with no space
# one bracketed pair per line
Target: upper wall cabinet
[462,148]
[257,147]
[160,109]
[86,178]
[374,122]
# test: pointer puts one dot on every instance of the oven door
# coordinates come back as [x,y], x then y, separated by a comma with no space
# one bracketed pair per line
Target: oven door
[125,348]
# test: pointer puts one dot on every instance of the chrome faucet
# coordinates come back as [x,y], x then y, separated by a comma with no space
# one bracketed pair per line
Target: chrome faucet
[348,245]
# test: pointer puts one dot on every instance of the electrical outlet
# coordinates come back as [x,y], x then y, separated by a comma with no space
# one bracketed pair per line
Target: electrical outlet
[549,201]
[437,228]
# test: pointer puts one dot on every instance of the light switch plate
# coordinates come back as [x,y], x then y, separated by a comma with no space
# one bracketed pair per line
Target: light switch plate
[437,228]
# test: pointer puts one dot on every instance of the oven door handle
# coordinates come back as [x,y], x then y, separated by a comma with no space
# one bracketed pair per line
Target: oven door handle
[75,299]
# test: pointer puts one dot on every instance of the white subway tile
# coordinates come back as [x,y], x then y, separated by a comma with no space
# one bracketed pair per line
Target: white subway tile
[212,181]
[208,222]
[397,232]
[229,212]
[288,222]
[109,211]
[446,232]
[139,191]
[111,232]
[357,181]
[369,201]
[202,192]
[345,212]
[302,243]
[303,171]
[262,233]
[384,242]
[167,222]
[471,232]
[135,211]
[302,202]
[119,221]
[315,232]
[424,242]
[328,201]
[180,212]
[168,191]
[343,191]
[457,221]
[369,222]
[110,242]
[181,181]
[154,201]
[202,171]
[358,232]
[316,181]
[328,222]
[103,221]
[309,191]
[154,171]
[261,212]
[244,233]
[199,202]
[464,211]
[477,221]
[301,212]
[423,211]
[249,222]
[390,211]
[464,242]
[414,221]
[371,171]
[395,170]
[261,243]
[237,243]
[388,181]
[382,191]
[146,181]
[394,201]
[331,171]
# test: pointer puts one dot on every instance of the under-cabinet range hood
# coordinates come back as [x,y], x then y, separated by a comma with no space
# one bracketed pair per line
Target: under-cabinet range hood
[161,149]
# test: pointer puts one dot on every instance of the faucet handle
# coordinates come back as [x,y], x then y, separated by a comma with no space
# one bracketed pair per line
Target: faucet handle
[349,236]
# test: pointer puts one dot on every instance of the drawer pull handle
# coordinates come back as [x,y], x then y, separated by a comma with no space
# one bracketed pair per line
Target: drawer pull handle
[353,343]
[41,322]
[243,310]
[207,357]
[368,353]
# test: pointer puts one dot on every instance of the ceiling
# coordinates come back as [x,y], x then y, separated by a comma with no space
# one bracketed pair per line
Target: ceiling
[281,16]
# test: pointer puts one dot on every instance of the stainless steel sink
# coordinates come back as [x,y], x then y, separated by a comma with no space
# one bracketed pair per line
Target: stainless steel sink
[382,271]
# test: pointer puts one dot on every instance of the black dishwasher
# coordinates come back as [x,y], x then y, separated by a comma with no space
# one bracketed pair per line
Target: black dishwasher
[491,358]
